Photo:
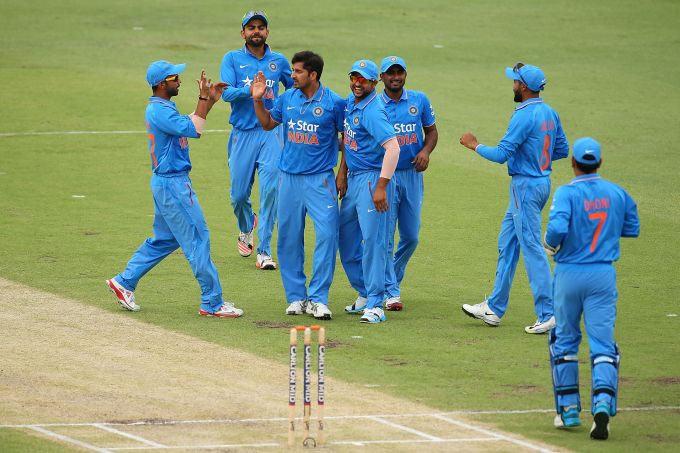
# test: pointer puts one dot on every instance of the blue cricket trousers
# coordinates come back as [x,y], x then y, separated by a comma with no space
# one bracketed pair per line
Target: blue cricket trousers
[178,222]
[588,289]
[405,214]
[300,195]
[521,230]
[247,151]
[364,236]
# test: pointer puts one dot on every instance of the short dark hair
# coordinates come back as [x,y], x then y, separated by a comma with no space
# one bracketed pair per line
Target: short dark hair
[310,61]
[588,168]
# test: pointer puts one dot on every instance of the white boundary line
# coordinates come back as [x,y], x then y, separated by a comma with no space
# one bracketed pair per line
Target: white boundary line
[67,439]
[39,133]
[198,447]
[336,417]
[148,442]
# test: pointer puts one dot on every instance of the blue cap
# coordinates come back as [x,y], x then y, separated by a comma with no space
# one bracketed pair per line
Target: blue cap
[366,68]
[587,151]
[388,62]
[250,15]
[159,70]
[531,76]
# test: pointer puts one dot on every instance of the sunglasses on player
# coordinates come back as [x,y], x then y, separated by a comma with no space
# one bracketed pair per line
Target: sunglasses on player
[172,78]
[355,78]
[516,69]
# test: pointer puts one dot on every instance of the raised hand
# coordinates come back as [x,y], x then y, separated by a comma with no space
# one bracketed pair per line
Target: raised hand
[259,86]
[203,85]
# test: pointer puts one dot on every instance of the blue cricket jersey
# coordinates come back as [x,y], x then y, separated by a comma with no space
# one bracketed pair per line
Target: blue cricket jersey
[168,132]
[367,128]
[587,217]
[238,69]
[312,126]
[409,115]
[533,140]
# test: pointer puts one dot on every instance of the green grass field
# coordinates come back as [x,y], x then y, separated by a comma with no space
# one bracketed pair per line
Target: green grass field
[613,74]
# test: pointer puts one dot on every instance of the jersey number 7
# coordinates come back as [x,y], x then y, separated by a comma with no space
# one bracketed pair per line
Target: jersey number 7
[601,217]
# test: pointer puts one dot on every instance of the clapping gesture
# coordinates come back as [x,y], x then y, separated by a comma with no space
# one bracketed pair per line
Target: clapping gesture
[209,90]
[258,86]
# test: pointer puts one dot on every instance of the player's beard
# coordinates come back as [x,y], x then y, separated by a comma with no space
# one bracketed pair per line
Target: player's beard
[173,91]
[518,96]
[253,43]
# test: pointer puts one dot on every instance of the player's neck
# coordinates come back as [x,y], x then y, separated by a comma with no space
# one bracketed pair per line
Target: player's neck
[257,51]
[310,89]
[527,96]
[395,95]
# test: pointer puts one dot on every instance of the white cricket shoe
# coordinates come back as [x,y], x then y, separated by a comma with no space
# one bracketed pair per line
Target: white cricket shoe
[245,240]
[126,299]
[318,310]
[373,316]
[265,262]
[358,305]
[394,304]
[483,312]
[226,310]
[296,308]
[541,327]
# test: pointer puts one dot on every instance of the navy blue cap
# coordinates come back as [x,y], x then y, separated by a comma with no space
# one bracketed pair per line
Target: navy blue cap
[250,15]
[532,76]
[366,68]
[159,70]
[390,61]
[587,151]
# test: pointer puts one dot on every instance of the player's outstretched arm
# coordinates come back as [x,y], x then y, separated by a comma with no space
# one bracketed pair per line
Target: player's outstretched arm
[208,95]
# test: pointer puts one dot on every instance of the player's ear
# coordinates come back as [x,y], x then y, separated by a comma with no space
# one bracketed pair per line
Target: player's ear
[243,33]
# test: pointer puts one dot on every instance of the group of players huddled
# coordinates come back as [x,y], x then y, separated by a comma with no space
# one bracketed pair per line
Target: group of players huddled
[292,140]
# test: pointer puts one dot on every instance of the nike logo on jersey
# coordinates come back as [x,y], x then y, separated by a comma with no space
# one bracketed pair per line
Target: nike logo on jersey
[330,206]
[243,66]
[371,210]
[290,108]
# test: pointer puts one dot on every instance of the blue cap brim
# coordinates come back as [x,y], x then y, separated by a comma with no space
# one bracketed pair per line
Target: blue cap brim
[257,16]
[364,74]
[385,68]
[510,74]
[178,68]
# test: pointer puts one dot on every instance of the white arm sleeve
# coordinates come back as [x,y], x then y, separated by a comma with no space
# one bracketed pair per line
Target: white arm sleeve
[391,158]
[198,122]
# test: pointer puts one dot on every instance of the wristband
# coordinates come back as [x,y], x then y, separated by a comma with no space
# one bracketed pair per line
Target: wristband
[202,99]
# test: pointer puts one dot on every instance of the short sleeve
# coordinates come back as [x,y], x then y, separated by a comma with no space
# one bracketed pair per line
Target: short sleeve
[377,124]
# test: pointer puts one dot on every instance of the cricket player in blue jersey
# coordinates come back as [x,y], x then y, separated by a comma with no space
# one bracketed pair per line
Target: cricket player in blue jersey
[251,148]
[533,140]
[587,218]
[178,218]
[412,116]
[313,116]
[370,157]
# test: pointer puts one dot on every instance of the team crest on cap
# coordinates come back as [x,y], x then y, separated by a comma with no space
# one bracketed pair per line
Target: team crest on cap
[393,59]
[413,110]
[273,66]
[318,111]
[356,120]
[362,64]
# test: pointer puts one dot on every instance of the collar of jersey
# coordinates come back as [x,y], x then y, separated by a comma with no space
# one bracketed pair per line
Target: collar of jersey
[386,98]
[364,102]
[161,100]
[318,95]
[582,178]
[529,102]
[267,51]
